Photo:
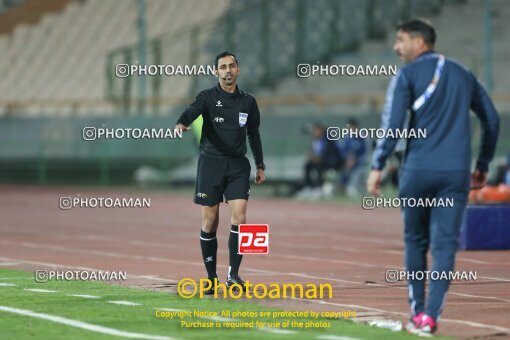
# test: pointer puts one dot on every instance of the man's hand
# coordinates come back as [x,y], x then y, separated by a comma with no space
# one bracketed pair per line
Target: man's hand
[260,177]
[478,179]
[374,182]
[181,127]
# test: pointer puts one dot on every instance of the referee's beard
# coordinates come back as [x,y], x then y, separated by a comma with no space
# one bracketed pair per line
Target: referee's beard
[229,87]
[228,81]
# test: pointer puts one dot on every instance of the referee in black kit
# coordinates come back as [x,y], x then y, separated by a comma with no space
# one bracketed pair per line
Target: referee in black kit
[229,115]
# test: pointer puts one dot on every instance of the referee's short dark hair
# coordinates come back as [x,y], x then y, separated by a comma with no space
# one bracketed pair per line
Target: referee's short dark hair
[223,55]
[421,27]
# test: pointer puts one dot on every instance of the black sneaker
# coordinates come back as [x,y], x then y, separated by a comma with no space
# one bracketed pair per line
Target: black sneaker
[214,281]
[235,280]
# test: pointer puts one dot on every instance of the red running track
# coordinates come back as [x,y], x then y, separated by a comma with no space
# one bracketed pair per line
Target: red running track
[340,244]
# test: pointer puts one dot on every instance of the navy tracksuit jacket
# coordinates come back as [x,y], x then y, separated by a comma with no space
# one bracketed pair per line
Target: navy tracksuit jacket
[437,166]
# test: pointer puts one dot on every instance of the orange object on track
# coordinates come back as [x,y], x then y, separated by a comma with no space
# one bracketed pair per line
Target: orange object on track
[491,194]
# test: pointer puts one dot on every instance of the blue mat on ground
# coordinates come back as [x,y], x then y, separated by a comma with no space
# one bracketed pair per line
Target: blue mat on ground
[485,226]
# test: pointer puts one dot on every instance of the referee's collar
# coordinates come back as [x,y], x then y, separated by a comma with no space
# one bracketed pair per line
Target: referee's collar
[227,94]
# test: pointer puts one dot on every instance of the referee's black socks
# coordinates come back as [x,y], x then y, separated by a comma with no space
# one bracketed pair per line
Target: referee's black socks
[234,257]
[209,245]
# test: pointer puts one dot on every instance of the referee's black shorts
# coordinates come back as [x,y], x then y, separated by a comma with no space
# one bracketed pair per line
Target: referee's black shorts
[219,176]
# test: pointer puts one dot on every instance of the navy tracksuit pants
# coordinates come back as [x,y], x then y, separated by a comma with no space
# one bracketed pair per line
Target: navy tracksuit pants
[436,228]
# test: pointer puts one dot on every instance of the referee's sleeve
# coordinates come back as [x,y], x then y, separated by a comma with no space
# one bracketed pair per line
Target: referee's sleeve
[254,135]
[483,107]
[398,100]
[198,107]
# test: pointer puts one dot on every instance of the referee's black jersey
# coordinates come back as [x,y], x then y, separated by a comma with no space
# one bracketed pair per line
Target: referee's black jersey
[228,117]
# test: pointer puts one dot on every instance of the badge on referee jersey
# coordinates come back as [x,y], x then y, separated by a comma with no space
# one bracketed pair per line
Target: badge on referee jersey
[243,118]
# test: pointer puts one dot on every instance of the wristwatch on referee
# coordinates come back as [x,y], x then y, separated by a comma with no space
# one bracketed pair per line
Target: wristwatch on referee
[261,166]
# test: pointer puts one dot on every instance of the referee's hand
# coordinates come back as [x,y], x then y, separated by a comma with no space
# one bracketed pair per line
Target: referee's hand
[260,177]
[181,127]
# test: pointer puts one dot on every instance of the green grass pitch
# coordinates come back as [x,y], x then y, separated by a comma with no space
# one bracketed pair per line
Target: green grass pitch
[90,317]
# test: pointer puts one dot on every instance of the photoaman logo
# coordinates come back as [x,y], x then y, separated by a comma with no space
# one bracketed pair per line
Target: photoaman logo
[253,239]
[188,288]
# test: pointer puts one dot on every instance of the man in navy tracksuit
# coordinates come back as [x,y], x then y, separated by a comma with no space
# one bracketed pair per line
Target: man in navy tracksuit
[439,94]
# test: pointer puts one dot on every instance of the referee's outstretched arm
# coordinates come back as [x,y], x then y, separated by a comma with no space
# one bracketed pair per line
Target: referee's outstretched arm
[192,112]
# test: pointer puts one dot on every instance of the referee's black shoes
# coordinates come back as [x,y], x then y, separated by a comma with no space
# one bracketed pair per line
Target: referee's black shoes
[214,283]
[237,281]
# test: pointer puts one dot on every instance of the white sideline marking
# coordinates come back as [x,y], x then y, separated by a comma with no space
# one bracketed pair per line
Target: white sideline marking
[458,258]
[276,330]
[393,325]
[170,309]
[8,264]
[480,297]
[4,284]
[125,303]
[310,258]
[83,325]
[85,296]
[494,278]
[150,277]
[477,325]
[37,290]
[306,276]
